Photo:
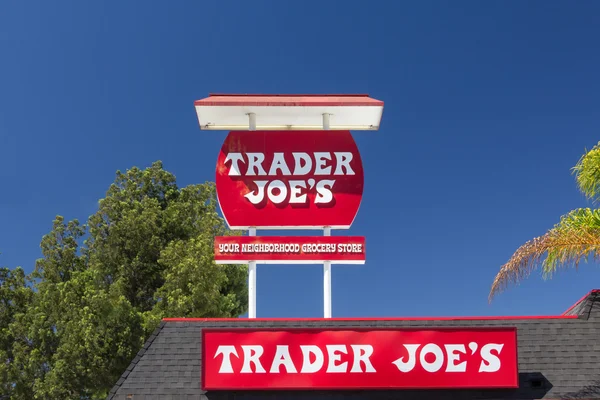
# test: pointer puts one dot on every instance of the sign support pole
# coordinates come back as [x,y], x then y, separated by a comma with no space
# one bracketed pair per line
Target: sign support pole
[252,264]
[327,282]
[326,264]
[252,283]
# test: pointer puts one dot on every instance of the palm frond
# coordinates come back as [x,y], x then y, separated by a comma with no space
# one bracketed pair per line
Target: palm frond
[575,238]
[587,173]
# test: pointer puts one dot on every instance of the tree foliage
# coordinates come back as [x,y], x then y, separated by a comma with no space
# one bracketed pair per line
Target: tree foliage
[70,328]
[575,238]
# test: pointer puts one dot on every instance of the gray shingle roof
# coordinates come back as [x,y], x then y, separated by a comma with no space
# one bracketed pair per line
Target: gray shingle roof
[587,307]
[558,358]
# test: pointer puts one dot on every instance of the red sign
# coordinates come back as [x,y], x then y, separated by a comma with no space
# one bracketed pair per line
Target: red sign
[289,179]
[359,359]
[289,249]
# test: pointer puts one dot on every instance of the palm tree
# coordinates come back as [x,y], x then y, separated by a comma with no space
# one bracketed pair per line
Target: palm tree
[574,239]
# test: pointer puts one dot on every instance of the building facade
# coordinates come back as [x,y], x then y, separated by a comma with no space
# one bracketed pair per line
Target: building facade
[558,358]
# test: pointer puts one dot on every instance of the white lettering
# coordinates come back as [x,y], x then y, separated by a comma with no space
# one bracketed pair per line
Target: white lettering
[321,159]
[439,357]
[343,159]
[307,366]
[430,356]
[332,350]
[234,158]
[260,193]
[226,351]
[255,161]
[409,364]
[300,169]
[229,247]
[303,163]
[279,164]
[453,356]
[362,352]
[324,194]
[295,190]
[281,191]
[281,188]
[252,355]
[282,357]
[490,362]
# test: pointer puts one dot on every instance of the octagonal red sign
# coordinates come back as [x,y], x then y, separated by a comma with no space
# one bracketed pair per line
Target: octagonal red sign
[289,179]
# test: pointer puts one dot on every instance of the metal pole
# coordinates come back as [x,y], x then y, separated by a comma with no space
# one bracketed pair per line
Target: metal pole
[252,264]
[252,283]
[327,282]
[252,121]
[326,121]
[326,264]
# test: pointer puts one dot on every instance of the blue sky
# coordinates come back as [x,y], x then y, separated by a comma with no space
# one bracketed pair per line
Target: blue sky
[487,107]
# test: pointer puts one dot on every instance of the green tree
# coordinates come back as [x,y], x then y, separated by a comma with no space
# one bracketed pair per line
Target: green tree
[15,298]
[101,288]
[575,238]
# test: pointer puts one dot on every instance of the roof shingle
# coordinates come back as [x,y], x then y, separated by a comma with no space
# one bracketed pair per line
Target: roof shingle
[558,358]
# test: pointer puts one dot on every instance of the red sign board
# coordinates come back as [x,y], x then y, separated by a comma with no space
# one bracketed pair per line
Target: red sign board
[359,359]
[290,249]
[289,179]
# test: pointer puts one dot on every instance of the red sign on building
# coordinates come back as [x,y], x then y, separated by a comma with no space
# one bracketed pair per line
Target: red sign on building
[282,179]
[359,359]
[290,249]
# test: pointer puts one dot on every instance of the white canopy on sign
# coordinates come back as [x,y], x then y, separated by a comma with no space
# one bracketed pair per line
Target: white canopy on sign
[289,112]
[300,112]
